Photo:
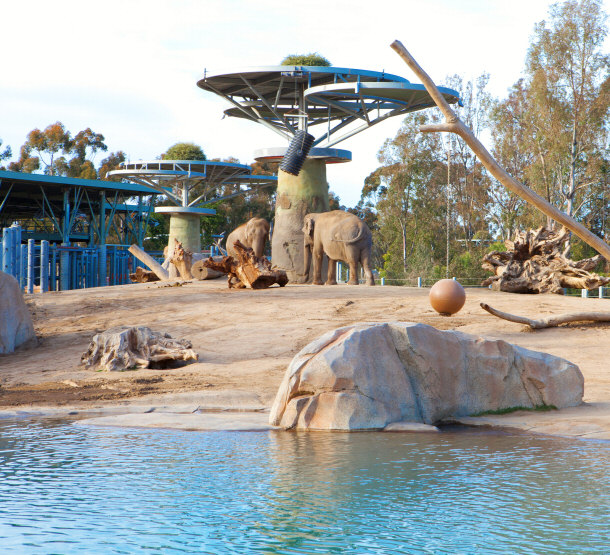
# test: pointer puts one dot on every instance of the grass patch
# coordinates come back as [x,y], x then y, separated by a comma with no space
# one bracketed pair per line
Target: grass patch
[508,410]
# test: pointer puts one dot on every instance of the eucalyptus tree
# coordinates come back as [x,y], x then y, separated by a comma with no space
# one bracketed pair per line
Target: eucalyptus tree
[6,154]
[567,73]
[407,193]
[468,179]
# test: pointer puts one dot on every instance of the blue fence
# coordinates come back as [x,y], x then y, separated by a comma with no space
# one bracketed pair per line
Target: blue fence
[47,267]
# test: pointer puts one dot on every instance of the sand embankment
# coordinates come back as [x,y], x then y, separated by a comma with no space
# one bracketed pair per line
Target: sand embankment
[245,340]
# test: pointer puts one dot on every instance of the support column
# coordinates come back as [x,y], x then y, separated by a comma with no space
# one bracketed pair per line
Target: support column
[296,197]
[186,229]
[185,225]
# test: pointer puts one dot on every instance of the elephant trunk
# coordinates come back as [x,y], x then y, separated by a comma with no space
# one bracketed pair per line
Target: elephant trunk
[258,245]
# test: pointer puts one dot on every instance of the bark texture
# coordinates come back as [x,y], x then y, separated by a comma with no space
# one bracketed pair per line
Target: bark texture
[248,270]
[182,259]
[534,263]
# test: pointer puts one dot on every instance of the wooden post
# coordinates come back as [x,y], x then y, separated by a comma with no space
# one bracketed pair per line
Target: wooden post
[453,124]
[161,272]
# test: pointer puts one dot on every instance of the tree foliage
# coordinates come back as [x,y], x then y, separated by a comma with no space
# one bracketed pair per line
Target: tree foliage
[184,151]
[310,59]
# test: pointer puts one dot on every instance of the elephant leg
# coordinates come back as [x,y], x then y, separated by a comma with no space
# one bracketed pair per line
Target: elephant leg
[317,267]
[365,260]
[331,278]
[353,273]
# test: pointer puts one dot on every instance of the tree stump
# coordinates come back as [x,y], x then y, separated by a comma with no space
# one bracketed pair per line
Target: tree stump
[248,270]
[126,348]
[182,259]
[534,263]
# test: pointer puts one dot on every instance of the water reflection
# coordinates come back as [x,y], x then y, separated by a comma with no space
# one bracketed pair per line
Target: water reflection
[72,489]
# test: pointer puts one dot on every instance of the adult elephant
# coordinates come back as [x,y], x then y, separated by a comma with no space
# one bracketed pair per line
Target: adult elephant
[254,234]
[341,236]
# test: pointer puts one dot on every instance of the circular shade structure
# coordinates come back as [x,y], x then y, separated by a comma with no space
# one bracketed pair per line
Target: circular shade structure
[179,179]
[288,98]
[330,103]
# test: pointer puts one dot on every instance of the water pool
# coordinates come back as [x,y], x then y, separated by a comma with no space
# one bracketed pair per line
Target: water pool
[67,488]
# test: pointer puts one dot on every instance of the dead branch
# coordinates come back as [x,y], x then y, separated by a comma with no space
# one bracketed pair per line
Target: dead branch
[453,124]
[550,321]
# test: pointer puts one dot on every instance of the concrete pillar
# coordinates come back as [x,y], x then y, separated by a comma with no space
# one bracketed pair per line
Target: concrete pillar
[296,197]
[185,228]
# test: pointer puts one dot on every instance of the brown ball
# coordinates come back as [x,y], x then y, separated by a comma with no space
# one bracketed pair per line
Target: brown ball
[447,296]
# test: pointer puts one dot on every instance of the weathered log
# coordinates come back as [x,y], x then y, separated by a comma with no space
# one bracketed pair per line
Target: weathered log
[550,321]
[534,263]
[127,347]
[201,272]
[143,276]
[248,270]
[149,261]
[453,124]
[183,260]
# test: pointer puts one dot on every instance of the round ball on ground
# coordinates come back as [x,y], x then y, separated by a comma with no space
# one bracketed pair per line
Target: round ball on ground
[447,296]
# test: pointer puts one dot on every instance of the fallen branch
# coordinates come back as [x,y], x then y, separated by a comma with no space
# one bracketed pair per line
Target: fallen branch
[161,272]
[551,321]
[453,124]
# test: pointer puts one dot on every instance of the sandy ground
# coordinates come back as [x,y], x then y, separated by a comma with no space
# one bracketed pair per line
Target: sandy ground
[245,340]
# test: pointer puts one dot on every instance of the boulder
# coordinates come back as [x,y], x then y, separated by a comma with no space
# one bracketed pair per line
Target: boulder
[130,347]
[15,321]
[369,375]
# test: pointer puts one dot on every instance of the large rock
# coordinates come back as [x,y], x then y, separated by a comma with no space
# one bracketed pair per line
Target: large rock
[367,376]
[15,321]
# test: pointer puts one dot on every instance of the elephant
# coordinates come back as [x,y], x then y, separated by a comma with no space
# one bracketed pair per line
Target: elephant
[254,234]
[341,236]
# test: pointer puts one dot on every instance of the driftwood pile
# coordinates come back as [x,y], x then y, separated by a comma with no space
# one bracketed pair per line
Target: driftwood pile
[180,262]
[248,270]
[534,263]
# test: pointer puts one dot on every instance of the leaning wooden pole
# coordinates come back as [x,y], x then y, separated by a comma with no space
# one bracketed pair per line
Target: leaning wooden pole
[161,272]
[453,124]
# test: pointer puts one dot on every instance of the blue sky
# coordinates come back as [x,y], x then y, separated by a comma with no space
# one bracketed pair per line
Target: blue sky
[128,69]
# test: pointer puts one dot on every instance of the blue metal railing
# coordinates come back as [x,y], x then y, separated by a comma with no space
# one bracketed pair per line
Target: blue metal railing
[46,267]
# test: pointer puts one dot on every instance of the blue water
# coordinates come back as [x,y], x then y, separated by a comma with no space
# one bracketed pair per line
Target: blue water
[66,488]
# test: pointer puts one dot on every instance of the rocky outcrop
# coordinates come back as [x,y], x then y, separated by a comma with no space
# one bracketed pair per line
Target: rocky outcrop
[16,325]
[369,375]
[131,347]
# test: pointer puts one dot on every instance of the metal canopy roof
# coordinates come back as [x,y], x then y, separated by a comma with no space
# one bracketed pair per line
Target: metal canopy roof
[60,183]
[167,176]
[23,195]
[287,98]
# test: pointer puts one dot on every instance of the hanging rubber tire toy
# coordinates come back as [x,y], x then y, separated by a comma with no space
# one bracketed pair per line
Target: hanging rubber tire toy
[297,152]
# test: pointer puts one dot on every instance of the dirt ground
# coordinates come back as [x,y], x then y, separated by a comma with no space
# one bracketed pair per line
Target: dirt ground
[245,339]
